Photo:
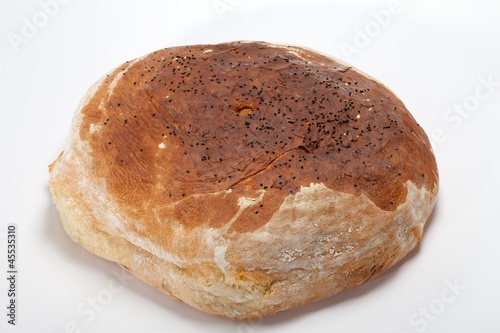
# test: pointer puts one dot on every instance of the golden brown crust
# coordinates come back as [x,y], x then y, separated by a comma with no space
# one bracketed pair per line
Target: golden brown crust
[207,159]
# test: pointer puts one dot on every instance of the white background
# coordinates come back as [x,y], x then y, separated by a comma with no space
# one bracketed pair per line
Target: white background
[437,56]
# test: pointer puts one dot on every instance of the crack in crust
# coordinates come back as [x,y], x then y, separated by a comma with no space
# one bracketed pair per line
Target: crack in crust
[246,178]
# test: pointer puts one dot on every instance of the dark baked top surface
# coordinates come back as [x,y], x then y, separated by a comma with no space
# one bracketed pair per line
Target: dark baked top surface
[242,119]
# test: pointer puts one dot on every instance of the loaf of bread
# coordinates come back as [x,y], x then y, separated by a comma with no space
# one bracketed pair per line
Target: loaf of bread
[245,178]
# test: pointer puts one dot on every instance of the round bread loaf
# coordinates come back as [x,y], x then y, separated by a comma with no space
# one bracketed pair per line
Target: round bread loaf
[245,178]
